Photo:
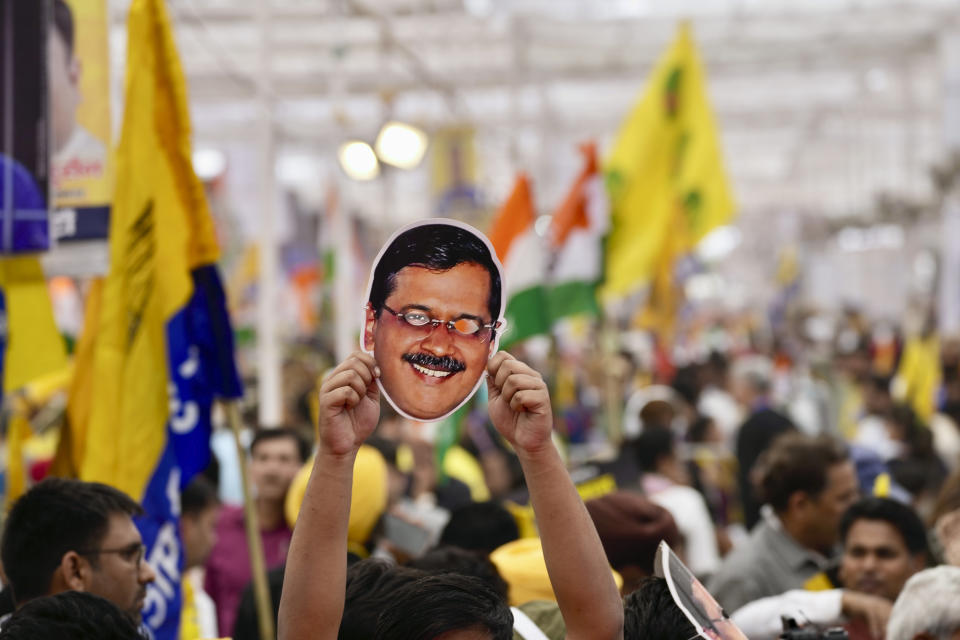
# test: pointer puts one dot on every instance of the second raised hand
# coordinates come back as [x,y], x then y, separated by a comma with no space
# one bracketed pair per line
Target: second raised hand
[519,403]
[349,405]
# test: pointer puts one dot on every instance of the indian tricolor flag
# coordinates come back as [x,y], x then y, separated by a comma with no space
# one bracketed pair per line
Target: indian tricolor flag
[523,255]
[575,236]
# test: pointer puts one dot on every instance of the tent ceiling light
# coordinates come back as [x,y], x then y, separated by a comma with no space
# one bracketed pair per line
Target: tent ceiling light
[401,145]
[358,160]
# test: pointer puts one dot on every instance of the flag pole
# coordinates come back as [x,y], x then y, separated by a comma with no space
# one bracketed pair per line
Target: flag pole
[261,591]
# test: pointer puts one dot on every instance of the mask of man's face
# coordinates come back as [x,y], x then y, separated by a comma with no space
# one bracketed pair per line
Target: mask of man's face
[433,338]
[876,559]
[63,71]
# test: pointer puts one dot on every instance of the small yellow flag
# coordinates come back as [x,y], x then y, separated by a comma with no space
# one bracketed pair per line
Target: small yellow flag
[665,174]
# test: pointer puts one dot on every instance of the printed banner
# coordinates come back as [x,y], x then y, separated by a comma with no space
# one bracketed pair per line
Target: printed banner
[79,80]
[24,178]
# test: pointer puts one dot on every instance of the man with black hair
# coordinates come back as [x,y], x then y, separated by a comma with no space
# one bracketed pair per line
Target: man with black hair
[371,585]
[463,562]
[432,317]
[70,615]
[68,535]
[433,606]
[884,544]
[199,508]
[666,481]
[751,384]
[276,456]
[480,527]
[650,612]
[809,483]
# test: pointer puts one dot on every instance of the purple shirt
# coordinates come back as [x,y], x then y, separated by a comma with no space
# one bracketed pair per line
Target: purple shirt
[228,569]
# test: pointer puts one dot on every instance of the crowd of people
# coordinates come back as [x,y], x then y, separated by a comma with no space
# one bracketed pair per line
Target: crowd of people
[826,500]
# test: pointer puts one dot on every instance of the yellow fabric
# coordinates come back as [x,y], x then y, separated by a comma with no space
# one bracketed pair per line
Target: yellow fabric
[919,375]
[368,500]
[34,351]
[522,565]
[588,490]
[881,486]
[17,433]
[160,229]
[665,164]
[818,582]
[189,625]
[459,464]
[405,462]
[35,347]
[73,435]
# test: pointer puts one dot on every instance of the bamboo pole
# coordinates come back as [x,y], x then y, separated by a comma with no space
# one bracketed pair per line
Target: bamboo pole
[261,591]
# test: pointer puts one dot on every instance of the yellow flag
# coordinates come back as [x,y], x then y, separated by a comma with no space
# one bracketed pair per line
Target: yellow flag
[34,349]
[918,377]
[160,229]
[73,435]
[665,172]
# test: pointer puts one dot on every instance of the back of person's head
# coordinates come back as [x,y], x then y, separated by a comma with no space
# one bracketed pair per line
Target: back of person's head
[481,526]
[52,518]
[650,612]
[631,527]
[370,587]
[436,604]
[462,562]
[279,433]
[71,615]
[753,371]
[898,515]
[199,508]
[198,496]
[798,463]
[927,607]
[652,446]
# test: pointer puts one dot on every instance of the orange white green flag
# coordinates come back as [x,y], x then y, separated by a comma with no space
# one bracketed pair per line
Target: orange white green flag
[524,258]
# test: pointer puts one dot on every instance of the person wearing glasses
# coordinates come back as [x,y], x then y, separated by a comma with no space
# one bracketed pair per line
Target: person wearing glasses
[433,317]
[68,535]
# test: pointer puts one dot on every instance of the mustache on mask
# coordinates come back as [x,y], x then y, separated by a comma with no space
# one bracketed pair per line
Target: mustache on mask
[439,363]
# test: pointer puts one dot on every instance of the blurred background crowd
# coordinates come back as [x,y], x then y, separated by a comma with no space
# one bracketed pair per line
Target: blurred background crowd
[741,222]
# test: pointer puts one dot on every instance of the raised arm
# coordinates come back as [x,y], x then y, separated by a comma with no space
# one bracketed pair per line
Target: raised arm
[581,578]
[316,575]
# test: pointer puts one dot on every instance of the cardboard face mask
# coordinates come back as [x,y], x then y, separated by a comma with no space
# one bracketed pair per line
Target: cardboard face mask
[698,605]
[434,315]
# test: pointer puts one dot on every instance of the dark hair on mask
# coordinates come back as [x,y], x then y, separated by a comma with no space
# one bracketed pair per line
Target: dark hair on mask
[898,515]
[52,518]
[71,615]
[650,612]
[265,434]
[437,247]
[370,587]
[63,23]
[481,526]
[462,562]
[436,604]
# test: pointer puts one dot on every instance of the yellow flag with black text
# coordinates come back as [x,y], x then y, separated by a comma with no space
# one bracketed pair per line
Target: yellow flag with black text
[163,346]
[665,172]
